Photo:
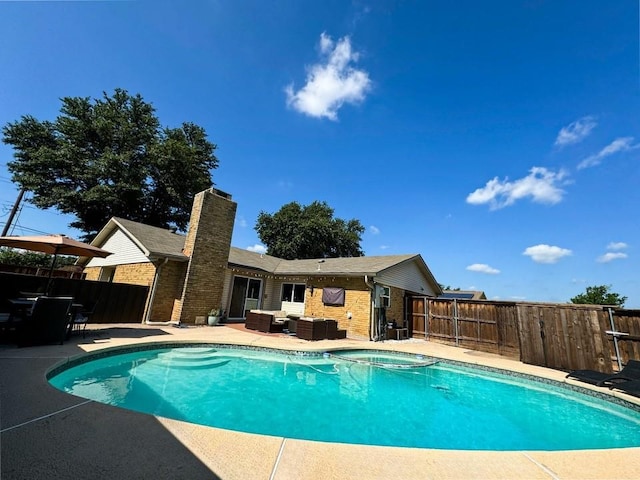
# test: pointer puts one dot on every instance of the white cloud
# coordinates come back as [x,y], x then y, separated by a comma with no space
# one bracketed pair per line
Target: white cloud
[330,83]
[483,268]
[576,132]
[610,256]
[546,253]
[373,229]
[286,184]
[541,185]
[257,248]
[241,222]
[622,144]
[384,247]
[617,246]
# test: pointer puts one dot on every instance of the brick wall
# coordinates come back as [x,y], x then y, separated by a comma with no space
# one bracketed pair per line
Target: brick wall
[357,300]
[168,290]
[92,273]
[395,311]
[135,274]
[207,244]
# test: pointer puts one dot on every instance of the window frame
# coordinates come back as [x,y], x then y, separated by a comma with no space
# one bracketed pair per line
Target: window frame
[300,287]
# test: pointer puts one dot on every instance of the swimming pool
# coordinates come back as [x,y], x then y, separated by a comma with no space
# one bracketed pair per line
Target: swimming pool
[352,397]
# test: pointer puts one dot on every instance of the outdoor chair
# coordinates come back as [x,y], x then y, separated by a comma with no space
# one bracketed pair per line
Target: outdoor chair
[631,387]
[630,372]
[266,321]
[47,323]
[81,318]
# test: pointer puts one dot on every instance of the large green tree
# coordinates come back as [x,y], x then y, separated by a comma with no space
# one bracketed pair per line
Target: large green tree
[297,232]
[600,295]
[110,157]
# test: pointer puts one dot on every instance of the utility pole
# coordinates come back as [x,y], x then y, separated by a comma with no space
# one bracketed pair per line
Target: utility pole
[13,213]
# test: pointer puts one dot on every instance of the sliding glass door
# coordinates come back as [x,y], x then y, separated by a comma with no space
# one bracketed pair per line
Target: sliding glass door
[245,295]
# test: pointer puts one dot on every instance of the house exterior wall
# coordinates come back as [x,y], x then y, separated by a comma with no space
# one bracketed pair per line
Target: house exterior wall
[123,249]
[395,311]
[92,273]
[135,274]
[207,246]
[407,276]
[271,294]
[226,290]
[357,300]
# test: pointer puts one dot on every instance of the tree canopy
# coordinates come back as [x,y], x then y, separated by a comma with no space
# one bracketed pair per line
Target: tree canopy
[9,256]
[110,157]
[600,295]
[298,232]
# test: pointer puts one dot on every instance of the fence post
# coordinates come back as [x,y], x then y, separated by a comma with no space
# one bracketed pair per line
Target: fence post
[427,310]
[455,321]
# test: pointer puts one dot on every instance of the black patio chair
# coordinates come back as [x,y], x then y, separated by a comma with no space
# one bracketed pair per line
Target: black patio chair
[81,318]
[47,323]
[632,387]
[630,372]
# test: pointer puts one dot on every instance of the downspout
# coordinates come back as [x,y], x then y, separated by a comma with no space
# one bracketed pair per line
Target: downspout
[372,320]
[152,295]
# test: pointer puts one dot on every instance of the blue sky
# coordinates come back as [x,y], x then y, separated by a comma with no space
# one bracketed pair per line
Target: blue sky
[498,139]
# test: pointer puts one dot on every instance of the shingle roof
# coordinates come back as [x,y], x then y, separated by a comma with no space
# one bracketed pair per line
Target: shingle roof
[253,260]
[325,266]
[157,242]
[463,294]
[341,266]
[160,242]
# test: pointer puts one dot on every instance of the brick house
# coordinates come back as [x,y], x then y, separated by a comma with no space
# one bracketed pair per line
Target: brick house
[189,275]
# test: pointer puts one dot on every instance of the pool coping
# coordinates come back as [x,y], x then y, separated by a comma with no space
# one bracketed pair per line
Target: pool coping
[215,453]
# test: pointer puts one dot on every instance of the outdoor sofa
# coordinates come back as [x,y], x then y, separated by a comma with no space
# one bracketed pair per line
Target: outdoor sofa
[267,321]
[318,329]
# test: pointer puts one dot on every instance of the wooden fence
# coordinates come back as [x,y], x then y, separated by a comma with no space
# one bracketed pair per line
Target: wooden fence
[116,302]
[560,336]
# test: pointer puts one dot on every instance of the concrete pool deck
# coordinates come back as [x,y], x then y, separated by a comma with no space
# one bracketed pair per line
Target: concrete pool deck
[47,434]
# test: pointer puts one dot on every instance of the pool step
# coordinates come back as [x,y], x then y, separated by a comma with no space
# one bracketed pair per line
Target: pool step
[190,364]
[195,353]
[192,358]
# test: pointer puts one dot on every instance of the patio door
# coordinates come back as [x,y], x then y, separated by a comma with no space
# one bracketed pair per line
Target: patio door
[245,295]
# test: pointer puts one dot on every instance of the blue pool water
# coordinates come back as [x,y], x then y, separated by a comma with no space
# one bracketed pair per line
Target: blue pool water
[353,397]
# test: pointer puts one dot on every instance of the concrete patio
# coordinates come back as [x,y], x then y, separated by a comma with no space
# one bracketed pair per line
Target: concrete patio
[47,434]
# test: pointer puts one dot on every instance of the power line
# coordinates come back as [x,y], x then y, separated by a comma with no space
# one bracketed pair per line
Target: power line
[27,229]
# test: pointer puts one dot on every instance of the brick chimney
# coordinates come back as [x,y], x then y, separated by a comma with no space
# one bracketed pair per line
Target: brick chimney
[207,246]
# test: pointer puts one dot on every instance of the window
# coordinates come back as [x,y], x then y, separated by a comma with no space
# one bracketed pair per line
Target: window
[293,292]
[385,296]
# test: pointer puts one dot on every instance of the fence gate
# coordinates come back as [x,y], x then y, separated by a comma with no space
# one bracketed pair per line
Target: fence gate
[417,314]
